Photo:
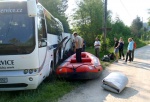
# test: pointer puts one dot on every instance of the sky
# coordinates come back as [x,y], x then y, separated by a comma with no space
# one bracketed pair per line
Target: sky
[126,10]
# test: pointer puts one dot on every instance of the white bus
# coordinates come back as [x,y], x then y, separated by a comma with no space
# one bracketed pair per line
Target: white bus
[68,42]
[29,35]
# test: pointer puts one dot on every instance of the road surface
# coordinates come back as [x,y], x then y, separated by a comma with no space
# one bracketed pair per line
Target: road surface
[137,89]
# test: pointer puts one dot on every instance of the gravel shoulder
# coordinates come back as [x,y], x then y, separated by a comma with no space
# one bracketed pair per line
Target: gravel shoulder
[137,89]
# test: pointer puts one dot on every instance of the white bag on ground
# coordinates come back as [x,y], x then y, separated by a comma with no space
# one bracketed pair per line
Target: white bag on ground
[115,82]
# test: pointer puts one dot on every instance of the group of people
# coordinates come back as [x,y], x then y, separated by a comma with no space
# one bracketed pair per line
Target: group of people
[119,46]
[118,49]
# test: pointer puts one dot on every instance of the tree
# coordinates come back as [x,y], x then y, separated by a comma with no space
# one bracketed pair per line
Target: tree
[149,17]
[136,27]
[119,29]
[57,8]
[88,19]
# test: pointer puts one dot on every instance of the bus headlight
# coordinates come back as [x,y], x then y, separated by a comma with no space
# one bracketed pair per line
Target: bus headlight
[35,70]
[31,71]
[25,71]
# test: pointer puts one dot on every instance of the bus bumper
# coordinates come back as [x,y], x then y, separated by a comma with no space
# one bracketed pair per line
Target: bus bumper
[18,82]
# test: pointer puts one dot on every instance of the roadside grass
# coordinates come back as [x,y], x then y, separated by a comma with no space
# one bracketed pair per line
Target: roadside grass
[91,50]
[48,91]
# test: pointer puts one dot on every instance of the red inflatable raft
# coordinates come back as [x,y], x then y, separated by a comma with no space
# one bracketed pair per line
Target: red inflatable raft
[90,67]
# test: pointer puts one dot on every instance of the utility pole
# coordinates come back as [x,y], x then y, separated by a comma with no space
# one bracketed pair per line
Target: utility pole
[105,24]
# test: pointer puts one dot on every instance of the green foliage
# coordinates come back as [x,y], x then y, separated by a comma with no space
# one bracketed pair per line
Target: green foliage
[57,9]
[46,92]
[149,17]
[136,27]
[139,43]
[105,46]
[88,20]
[118,30]
[145,36]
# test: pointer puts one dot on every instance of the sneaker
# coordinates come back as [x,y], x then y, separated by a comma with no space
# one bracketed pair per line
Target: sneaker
[123,58]
[129,61]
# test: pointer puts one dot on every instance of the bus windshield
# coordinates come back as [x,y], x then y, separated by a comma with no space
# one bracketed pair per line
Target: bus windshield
[16,34]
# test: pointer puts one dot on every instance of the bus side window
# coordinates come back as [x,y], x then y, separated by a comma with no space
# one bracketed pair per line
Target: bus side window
[52,26]
[42,35]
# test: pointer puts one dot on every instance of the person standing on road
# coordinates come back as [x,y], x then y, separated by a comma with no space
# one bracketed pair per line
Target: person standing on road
[97,45]
[134,47]
[121,45]
[116,49]
[78,46]
[129,50]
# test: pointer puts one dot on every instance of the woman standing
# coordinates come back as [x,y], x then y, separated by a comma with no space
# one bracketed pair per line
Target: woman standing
[116,49]
[121,45]
[129,49]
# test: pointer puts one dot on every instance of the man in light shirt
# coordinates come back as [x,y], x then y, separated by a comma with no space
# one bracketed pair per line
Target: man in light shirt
[97,47]
[78,46]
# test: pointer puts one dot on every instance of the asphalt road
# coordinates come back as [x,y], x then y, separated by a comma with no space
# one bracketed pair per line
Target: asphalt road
[137,89]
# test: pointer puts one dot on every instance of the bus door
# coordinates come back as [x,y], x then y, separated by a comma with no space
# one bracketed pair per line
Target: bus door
[42,38]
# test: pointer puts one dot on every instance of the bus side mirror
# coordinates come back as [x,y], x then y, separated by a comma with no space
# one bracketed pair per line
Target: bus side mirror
[31,8]
[43,42]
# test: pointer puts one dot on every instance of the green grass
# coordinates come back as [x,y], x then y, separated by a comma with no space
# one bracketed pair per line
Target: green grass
[91,50]
[48,91]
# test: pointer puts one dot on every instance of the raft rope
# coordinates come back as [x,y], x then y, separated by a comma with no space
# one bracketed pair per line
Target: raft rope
[74,68]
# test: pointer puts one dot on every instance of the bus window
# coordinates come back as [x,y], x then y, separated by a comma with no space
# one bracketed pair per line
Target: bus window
[42,36]
[16,30]
[40,11]
[51,26]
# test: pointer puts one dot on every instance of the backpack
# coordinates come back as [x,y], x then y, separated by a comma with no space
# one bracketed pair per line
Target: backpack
[111,56]
[106,58]
[134,45]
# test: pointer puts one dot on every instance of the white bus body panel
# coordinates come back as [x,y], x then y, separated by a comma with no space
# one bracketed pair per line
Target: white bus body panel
[20,79]
[69,43]
[31,5]
[20,61]
[15,73]
[52,39]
